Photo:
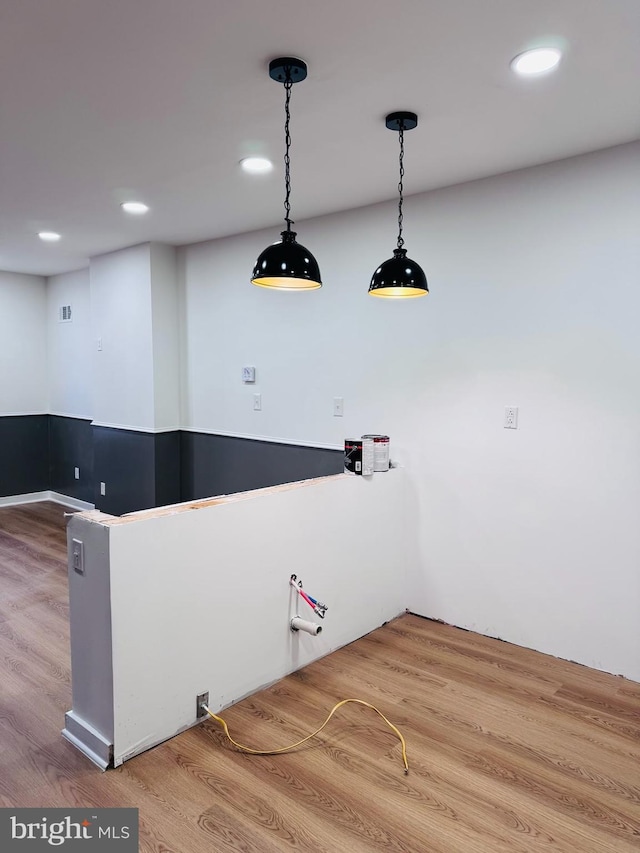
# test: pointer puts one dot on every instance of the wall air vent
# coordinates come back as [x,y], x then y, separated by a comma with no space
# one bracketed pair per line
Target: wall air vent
[64,314]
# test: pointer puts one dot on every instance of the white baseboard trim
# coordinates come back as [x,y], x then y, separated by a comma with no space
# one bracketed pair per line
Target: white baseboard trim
[270,439]
[36,497]
[89,741]
[70,417]
[129,428]
[22,414]
[32,497]
[73,503]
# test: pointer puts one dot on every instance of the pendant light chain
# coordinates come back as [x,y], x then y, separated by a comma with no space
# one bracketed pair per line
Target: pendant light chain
[287,265]
[399,276]
[287,159]
[401,187]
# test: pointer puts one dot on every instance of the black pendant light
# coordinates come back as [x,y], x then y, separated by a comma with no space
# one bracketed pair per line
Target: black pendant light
[287,265]
[399,277]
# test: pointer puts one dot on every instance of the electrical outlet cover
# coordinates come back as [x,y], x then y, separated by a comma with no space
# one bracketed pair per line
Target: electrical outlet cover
[201,699]
[511,417]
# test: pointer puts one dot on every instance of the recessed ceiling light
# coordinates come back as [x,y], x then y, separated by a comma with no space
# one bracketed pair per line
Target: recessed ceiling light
[134,207]
[536,61]
[49,236]
[256,165]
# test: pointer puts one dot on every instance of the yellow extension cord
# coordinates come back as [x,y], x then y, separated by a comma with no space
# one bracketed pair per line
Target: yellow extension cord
[313,734]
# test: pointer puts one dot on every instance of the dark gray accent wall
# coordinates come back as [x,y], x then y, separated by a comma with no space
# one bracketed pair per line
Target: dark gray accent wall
[222,465]
[24,454]
[70,447]
[167,468]
[140,470]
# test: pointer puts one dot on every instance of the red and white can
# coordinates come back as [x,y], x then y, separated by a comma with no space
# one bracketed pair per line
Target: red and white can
[380,451]
[359,456]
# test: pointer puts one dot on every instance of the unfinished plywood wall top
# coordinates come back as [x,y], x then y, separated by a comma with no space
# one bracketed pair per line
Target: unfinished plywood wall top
[96,515]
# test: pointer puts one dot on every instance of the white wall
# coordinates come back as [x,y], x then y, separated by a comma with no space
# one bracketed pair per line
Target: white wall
[69,346]
[135,315]
[530,535]
[165,334]
[23,372]
[199,598]
[121,319]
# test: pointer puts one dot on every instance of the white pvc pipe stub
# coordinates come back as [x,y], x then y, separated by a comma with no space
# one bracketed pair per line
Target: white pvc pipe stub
[298,624]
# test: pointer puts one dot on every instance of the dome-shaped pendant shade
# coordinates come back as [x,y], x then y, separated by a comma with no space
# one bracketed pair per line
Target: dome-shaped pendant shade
[399,277]
[287,265]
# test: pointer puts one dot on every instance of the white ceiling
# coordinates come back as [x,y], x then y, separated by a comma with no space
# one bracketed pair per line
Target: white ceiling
[158,100]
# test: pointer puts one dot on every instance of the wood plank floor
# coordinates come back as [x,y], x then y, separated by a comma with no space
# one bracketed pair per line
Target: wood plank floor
[510,750]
